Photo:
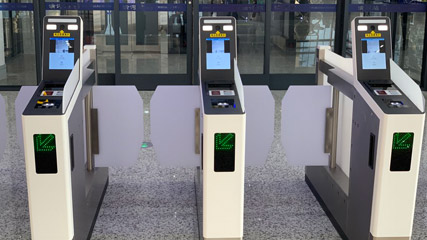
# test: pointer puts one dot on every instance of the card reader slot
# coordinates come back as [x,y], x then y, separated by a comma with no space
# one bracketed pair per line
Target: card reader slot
[222,86]
[52,90]
[381,85]
[223,103]
[54,86]
[47,103]
[371,151]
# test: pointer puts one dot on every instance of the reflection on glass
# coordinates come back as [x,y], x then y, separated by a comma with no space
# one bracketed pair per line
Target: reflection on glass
[97,29]
[408,50]
[154,42]
[295,36]
[17,53]
[250,35]
[408,38]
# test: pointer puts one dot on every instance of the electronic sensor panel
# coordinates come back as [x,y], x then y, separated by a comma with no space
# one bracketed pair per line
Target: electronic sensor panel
[373,53]
[218,54]
[61,54]
[45,153]
[401,153]
[224,152]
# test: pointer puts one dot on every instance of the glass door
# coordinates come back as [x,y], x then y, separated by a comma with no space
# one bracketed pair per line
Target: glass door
[251,21]
[407,24]
[98,19]
[17,48]
[297,28]
[155,42]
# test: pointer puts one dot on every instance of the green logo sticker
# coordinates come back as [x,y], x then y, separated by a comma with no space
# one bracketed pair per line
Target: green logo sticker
[403,141]
[224,141]
[44,142]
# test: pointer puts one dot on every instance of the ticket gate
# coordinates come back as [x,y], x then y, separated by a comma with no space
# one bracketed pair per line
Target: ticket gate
[215,127]
[67,123]
[366,123]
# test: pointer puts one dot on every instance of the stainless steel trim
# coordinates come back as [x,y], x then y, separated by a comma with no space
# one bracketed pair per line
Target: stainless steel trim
[328,129]
[92,140]
[335,106]
[388,238]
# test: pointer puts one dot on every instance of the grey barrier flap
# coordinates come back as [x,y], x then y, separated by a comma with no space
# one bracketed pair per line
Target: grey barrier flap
[173,110]
[172,119]
[259,106]
[21,102]
[303,124]
[3,127]
[120,125]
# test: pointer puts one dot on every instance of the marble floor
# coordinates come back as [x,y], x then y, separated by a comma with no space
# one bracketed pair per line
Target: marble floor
[148,201]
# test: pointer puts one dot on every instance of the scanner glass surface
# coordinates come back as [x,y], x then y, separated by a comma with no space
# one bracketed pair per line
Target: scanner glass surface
[373,53]
[218,53]
[61,54]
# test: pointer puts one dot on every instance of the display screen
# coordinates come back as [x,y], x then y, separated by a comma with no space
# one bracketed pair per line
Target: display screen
[401,153]
[45,153]
[61,54]
[373,53]
[218,54]
[224,153]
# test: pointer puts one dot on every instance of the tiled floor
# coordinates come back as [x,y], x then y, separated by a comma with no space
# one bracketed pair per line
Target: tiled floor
[148,201]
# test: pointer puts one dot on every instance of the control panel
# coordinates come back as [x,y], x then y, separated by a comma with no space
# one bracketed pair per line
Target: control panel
[62,38]
[217,73]
[373,56]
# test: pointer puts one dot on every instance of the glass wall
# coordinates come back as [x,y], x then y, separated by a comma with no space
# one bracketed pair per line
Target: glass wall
[97,29]
[296,34]
[409,43]
[407,31]
[276,39]
[250,17]
[153,41]
[17,49]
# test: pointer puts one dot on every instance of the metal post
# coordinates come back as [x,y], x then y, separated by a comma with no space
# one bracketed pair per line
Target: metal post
[341,26]
[195,70]
[267,39]
[117,42]
[39,13]
[189,32]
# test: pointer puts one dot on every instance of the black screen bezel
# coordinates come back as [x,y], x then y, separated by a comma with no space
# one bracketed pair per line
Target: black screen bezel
[61,38]
[59,75]
[217,74]
[373,74]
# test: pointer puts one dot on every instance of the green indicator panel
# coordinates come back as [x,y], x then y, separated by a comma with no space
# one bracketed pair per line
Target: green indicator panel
[45,153]
[224,152]
[401,153]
